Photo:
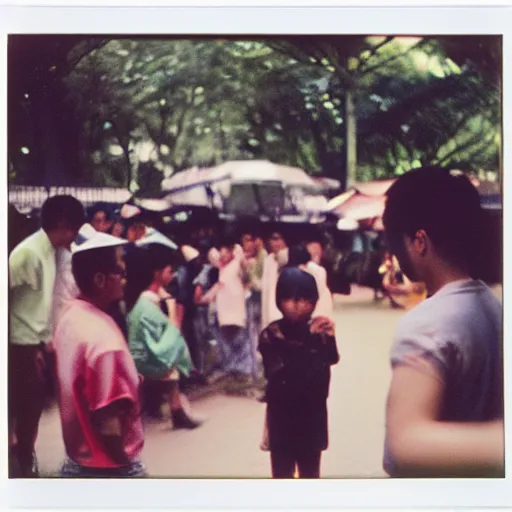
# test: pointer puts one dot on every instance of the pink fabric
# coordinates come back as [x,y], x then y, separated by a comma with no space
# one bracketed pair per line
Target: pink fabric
[95,369]
[231,295]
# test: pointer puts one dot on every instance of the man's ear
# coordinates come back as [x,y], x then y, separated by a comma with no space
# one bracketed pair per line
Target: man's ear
[420,242]
[99,280]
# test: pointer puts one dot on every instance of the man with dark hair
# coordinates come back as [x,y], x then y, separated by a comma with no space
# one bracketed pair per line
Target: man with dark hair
[32,271]
[445,404]
[98,380]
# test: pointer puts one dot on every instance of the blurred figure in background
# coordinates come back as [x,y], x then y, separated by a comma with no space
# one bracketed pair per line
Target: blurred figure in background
[117,229]
[157,346]
[255,257]
[185,277]
[401,292]
[259,243]
[206,315]
[269,310]
[299,256]
[230,296]
[316,251]
[100,217]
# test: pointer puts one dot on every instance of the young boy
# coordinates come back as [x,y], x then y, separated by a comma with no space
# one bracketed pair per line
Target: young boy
[297,354]
[445,404]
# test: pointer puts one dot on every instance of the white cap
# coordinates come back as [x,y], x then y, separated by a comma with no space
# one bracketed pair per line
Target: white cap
[153,236]
[189,253]
[88,239]
[129,210]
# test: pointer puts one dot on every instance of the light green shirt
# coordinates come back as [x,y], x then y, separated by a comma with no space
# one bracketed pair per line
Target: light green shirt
[32,270]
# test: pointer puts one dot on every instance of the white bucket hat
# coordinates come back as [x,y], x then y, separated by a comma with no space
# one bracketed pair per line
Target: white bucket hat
[88,239]
[154,236]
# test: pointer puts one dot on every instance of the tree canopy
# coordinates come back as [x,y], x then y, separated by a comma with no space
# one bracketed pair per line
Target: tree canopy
[129,111]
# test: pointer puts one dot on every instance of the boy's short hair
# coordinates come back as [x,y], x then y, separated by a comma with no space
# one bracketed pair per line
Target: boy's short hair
[62,209]
[85,264]
[445,205]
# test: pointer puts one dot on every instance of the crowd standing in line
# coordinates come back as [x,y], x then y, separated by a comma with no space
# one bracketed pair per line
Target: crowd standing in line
[134,321]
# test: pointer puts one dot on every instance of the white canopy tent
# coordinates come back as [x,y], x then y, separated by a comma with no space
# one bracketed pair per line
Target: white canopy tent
[247,187]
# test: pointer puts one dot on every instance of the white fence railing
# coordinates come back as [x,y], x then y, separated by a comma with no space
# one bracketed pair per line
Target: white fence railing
[26,198]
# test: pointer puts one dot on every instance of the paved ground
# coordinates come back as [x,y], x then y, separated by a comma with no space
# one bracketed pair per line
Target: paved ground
[227,445]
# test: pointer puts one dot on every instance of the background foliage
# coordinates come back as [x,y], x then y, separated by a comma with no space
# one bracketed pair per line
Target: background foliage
[101,111]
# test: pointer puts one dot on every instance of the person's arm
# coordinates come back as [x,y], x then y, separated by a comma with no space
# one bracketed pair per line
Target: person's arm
[421,445]
[272,362]
[324,327]
[210,295]
[107,422]
[111,400]
[25,269]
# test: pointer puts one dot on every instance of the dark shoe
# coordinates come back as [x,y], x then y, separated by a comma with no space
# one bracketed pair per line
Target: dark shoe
[180,419]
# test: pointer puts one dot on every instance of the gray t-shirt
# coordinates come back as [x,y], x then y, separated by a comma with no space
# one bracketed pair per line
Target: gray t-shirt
[458,330]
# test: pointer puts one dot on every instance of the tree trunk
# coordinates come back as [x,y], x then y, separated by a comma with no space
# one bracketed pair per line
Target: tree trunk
[222,137]
[351,139]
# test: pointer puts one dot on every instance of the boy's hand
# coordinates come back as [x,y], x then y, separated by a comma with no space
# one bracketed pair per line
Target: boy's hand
[322,325]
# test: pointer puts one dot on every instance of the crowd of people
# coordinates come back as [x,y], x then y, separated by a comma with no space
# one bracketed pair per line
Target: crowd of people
[122,320]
